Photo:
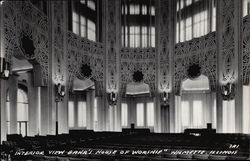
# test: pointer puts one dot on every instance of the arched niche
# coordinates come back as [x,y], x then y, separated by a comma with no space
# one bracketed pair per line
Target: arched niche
[21,64]
[197,104]
[82,108]
[135,88]
[84,73]
[26,72]
[81,85]
[138,106]
[200,83]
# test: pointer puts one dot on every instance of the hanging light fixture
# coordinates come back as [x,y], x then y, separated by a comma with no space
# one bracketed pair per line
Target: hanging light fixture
[4,69]
[165,98]
[227,91]
[60,92]
[112,98]
[1,2]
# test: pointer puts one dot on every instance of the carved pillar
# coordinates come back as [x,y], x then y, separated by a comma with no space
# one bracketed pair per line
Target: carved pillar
[112,43]
[131,111]
[3,129]
[75,101]
[47,124]
[118,115]
[111,117]
[33,95]
[229,30]
[3,110]
[165,40]
[63,115]
[58,64]
[13,84]
[100,114]
[239,73]
[90,109]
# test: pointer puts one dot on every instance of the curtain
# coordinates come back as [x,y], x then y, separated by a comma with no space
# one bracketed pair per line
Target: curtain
[139,114]
[246,109]
[196,110]
[228,116]
[178,114]
[71,114]
[77,110]
[140,111]
[124,114]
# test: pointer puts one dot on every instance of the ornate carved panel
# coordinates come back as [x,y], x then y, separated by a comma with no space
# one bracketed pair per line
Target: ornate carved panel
[21,20]
[83,51]
[227,47]
[113,43]
[200,51]
[163,47]
[59,33]
[246,50]
[138,59]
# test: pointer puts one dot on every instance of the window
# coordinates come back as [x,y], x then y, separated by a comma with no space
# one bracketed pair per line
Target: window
[82,110]
[85,18]
[197,114]
[140,114]
[185,114]
[195,18]
[228,116]
[138,23]
[124,114]
[71,114]
[40,4]
[22,112]
[246,7]
[150,114]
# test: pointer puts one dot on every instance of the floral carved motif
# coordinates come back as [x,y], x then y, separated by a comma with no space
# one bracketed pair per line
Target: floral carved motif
[246,50]
[82,51]
[200,51]
[138,59]
[21,19]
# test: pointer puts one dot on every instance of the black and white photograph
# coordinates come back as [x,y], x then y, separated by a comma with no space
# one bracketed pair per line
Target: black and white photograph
[124,80]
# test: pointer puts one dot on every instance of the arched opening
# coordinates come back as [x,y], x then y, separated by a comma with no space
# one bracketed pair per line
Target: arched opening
[23,101]
[198,104]
[138,106]
[82,108]
[22,110]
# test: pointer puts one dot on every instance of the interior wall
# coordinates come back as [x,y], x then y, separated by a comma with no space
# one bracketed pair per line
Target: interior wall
[57,64]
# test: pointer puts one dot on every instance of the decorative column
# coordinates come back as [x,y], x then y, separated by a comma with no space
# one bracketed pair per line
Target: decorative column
[100,114]
[34,106]
[58,64]
[165,41]
[3,128]
[75,101]
[131,111]
[229,46]
[3,110]
[90,108]
[13,83]
[46,113]
[112,35]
